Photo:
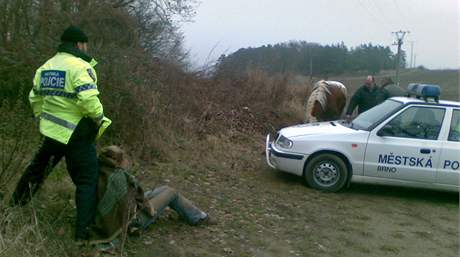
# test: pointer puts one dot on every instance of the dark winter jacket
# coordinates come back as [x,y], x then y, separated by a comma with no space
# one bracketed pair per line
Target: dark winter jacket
[120,198]
[365,98]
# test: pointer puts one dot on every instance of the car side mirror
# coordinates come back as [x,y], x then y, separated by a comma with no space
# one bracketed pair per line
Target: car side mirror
[387,130]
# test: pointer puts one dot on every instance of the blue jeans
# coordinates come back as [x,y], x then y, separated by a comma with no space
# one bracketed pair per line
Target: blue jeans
[165,196]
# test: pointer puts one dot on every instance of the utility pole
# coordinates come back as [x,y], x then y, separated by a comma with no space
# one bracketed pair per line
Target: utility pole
[412,65]
[311,65]
[399,41]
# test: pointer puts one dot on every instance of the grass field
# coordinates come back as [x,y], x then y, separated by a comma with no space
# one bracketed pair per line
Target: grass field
[448,80]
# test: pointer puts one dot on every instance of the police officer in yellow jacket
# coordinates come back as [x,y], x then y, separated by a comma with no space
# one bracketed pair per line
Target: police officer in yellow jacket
[65,99]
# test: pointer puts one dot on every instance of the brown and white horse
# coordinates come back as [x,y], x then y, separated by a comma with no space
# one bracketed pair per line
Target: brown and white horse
[326,102]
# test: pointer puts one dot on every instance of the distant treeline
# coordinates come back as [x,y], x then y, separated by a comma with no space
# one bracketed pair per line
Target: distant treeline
[308,58]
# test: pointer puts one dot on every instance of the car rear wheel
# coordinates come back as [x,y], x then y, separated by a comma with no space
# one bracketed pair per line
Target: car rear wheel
[326,172]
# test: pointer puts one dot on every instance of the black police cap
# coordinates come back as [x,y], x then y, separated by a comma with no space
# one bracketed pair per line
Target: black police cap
[74,34]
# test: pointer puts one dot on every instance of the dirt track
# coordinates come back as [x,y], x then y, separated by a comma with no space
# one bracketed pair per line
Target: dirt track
[269,213]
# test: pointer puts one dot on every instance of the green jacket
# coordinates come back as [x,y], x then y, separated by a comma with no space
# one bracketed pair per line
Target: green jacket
[121,202]
[64,91]
[365,98]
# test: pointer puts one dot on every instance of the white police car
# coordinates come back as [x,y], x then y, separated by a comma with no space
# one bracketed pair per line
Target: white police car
[403,141]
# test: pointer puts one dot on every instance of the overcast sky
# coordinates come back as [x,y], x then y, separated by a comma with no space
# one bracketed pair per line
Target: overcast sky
[224,26]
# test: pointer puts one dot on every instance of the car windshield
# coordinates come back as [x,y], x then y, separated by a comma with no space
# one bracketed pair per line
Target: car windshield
[368,118]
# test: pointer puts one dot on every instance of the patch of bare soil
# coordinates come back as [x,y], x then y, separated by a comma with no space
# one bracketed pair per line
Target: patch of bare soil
[262,212]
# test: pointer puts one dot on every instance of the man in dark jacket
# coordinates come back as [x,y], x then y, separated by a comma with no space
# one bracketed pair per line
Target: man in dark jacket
[366,97]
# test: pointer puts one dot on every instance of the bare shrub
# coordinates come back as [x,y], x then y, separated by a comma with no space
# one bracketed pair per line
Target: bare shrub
[18,136]
[38,229]
[252,104]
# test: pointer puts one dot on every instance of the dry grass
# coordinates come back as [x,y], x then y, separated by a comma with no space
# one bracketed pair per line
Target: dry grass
[43,227]
[18,134]
[153,121]
[202,136]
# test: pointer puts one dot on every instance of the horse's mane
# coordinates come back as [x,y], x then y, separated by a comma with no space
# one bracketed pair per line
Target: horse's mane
[319,93]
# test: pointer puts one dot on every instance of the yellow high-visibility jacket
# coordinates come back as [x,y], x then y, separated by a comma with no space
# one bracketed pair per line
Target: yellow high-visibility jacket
[64,91]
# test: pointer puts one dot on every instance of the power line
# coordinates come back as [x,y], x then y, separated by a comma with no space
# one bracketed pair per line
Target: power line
[412,65]
[374,34]
[371,13]
[382,14]
[400,12]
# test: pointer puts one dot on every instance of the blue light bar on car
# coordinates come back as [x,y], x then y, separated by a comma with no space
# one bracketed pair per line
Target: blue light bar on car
[424,91]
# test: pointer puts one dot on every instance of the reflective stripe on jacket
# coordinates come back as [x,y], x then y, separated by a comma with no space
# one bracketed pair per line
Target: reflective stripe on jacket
[65,91]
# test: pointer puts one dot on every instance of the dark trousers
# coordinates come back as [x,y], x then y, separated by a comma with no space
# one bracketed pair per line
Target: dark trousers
[82,165]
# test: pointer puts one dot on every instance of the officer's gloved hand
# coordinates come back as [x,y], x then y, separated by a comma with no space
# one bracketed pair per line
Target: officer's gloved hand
[348,118]
[98,122]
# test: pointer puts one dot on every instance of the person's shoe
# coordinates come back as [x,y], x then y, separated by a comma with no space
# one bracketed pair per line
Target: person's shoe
[207,221]
[135,231]
[107,248]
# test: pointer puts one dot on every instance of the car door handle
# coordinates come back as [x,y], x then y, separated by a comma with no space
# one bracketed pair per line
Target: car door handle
[425,151]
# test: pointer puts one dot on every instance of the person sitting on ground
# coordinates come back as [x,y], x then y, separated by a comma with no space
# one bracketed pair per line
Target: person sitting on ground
[124,207]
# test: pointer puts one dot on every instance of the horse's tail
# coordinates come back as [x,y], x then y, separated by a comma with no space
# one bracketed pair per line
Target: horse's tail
[309,108]
[309,117]
[319,94]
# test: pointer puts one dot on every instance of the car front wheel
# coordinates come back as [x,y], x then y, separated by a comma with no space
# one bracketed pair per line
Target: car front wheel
[326,172]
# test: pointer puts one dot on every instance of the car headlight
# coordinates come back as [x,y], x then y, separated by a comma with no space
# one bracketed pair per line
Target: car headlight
[283,142]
